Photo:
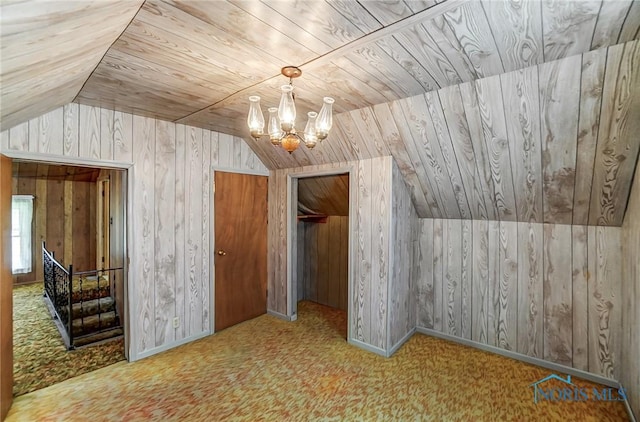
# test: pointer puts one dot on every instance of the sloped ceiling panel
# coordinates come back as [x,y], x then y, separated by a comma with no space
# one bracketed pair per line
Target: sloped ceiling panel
[196,62]
[49,49]
[445,44]
[328,195]
[553,143]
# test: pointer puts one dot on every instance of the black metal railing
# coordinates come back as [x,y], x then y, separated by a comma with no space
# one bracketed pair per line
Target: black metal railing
[71,293]
[56,286]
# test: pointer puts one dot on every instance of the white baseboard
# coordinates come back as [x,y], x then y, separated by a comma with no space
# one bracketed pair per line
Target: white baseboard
[524,358]
[282,316]
[368,347]
[632,417]
[402,341]
[168,346]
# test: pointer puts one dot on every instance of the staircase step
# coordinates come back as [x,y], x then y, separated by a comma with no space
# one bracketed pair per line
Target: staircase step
[92,288]
[93,323]
[101,336]
[92,307]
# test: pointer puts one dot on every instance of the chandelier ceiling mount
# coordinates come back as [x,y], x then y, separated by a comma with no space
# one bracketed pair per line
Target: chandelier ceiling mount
[291,72]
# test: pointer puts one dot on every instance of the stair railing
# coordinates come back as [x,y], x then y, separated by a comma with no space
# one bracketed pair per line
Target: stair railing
[59,290]
[57,285]
[70,306]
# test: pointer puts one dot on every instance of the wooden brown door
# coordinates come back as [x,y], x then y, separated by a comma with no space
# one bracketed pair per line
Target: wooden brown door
[240,248]
[6,290]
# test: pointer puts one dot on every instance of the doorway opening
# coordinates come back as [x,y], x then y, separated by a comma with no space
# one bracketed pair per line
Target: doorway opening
[321,264]
[79,218]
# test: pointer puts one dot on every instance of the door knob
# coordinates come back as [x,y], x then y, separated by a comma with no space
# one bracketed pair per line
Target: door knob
[221,252]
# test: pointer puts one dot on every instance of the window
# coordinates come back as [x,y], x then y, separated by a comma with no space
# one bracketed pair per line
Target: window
[21,219]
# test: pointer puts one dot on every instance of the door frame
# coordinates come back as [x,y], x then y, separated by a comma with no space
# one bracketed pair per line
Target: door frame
[103,227]
[292,236]
[6,291]
[212,237]
[130,335]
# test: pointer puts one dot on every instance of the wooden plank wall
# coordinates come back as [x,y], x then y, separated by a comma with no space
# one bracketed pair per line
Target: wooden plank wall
[548,291]
[170,179]
[323,251]
[402,287]
[630,376]
[84,231]
[65,218]
[381,308]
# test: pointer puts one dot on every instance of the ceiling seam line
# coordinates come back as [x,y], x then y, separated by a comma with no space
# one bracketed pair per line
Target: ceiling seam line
[451,4]
[107,51]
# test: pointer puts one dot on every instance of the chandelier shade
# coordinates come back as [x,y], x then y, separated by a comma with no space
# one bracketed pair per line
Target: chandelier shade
[255,120]
[282,120]
[287,109]
[310,135]
[275,133]
[325,118]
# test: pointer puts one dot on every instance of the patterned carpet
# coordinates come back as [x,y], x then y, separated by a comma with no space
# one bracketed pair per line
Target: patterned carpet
[40,358]
[272,370]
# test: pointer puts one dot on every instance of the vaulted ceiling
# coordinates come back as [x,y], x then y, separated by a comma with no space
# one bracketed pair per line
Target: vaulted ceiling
[512,110]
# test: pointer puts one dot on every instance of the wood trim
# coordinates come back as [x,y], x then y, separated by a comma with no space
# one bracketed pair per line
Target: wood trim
[292,218]
[627,406]
[292,234]
[630,280]
[6,290]
[57,159]
[254,172]
[353,206]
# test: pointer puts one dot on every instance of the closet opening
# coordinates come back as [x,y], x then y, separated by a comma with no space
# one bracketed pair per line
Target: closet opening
[321,266]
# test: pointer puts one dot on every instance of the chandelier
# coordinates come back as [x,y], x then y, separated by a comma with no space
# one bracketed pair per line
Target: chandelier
[281,126]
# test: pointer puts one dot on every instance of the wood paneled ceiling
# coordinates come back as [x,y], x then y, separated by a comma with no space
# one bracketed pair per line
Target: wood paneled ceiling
[48,49]
[327,195]
[467,95]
